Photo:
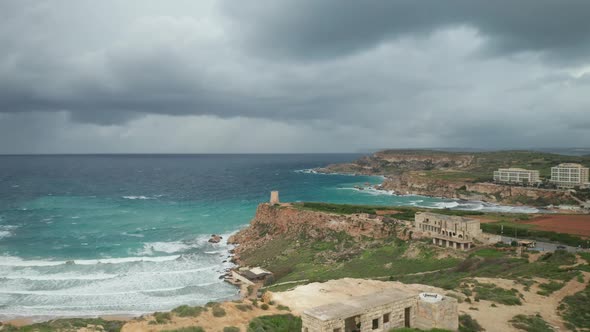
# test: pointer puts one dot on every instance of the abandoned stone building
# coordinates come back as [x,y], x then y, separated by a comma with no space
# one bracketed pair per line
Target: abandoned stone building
[383,311]
[450,231]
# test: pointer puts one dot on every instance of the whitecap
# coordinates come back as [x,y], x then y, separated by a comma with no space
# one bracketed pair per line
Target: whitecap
[63,277]
[17,261]
[137,197]
[150,248]
[132,235]
[446,205]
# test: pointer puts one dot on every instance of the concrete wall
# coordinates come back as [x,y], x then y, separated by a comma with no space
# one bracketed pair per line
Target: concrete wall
[396,318]
[241,278]
[442,314]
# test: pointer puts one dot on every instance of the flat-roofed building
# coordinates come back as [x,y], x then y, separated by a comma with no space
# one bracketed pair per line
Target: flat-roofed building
[383,311]
[569,175]
[517,175]
[450,231]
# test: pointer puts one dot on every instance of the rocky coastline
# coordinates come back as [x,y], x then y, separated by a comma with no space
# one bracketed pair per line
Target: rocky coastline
[408,173]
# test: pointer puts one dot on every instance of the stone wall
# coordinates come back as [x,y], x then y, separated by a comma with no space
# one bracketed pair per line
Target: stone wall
[395,310]
[442,314]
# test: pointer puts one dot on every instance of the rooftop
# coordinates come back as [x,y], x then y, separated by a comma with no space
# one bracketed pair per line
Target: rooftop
[570,165]
[357,305]
[513,169]
[259,271]
[448,218]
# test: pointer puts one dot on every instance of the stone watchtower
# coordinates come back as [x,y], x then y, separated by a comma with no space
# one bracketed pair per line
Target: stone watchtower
[274,197]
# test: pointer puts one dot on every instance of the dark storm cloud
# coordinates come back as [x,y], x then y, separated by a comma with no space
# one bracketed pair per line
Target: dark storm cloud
[310,28]
[349,73]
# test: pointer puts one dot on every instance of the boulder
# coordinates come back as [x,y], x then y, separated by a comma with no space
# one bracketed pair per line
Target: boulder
[215,238]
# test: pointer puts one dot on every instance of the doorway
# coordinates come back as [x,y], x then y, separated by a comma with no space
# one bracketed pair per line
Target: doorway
[352,324]
[407,317]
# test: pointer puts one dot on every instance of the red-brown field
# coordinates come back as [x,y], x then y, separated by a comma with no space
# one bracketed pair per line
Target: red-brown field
[577,224]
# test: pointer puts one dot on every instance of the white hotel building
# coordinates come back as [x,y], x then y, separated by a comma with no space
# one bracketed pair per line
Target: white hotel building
[516,175]
[570,175]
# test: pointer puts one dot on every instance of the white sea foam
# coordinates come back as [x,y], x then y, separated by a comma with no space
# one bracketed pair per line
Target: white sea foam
[17,261]
[306,171]
[62,277]
[5,230]
[446,205]
[137,197]
[132,235]
[98,293]
[167,247]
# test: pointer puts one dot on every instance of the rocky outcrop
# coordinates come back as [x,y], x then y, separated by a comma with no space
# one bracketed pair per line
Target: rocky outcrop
[289,222]
[215,238]
[415,184]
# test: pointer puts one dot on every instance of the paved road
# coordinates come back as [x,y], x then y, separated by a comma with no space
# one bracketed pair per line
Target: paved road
[543,246]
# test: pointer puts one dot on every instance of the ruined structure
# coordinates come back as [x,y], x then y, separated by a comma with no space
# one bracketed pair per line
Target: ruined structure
[383,311]
[449,231]
[274,197]
[251,276]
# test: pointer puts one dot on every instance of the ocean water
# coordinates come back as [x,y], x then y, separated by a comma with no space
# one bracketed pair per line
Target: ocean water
[127,234]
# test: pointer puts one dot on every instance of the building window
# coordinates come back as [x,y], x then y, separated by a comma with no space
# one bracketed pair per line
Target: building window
[338,330]
[386,318]
[375,323]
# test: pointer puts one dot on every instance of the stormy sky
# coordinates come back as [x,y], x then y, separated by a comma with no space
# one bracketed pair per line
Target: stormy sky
[184,76]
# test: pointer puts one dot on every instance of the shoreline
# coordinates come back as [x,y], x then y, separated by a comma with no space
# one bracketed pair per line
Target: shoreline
[562,209]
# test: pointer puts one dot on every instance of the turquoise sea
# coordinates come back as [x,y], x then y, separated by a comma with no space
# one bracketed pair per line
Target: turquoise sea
[127,234]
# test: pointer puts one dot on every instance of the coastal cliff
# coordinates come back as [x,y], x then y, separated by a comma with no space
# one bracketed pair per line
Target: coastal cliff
[291,224]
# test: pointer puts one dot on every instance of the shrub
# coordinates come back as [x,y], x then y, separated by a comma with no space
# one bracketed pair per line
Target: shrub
[244,307]
[211,304]
[574,309]
[283,307]
[550,287]
[274,323]
[187,329]
[218,311]
[162,317]
[188,311]
[264,306]
[496,294]
[231,329]
[468,324]
[530,323]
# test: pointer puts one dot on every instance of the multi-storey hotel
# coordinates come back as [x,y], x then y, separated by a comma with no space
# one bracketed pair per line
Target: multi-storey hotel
[570,175]
[516,175]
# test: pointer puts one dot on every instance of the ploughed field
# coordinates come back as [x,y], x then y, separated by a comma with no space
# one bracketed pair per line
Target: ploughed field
[569,224]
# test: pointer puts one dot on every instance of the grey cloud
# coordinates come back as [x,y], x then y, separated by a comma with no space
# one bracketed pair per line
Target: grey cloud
[330,75]
[323,29]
